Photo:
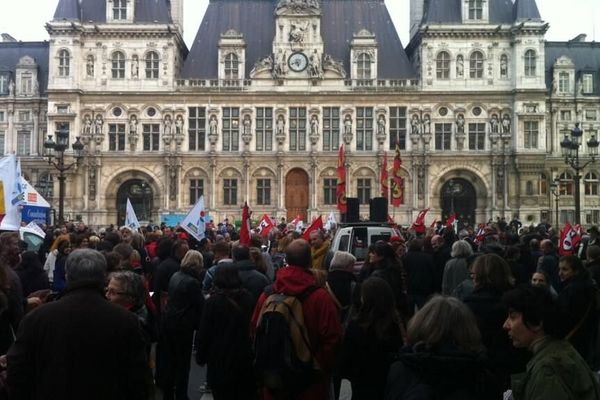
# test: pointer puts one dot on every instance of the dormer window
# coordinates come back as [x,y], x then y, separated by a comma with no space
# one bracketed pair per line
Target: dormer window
[563,82]
[231,66]
[64,63]
[26,83]
[119,10]
[3,84]
[363,66]
[587,82]
[475,9]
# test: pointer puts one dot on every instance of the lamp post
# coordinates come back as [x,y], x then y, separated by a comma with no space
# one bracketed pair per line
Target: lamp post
[555,190]
[570,151]
[55,155]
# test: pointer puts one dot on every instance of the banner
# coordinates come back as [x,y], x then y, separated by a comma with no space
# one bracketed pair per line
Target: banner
[383,178]
[314,226]
[419,224]
[10,215]
[569,240]
[265,225]
[331,222]
[340,191]
[397,181]
[18,196]
[194,223]
[245,228]
[131,220]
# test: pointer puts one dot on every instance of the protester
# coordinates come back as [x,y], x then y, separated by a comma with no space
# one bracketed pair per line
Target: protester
[81,346]
[548,262]
[419,268]
[252,280]
[443,357]
[456,269]
[342,282]
[556,370]
[370,341]
[319,248]
[11,293]
[31,273]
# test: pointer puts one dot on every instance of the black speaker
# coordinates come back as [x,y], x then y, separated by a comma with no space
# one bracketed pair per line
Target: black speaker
[353,207]
[378,209]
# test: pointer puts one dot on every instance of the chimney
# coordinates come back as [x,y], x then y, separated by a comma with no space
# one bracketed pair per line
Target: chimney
[7,38]
[416,15]
[579,38]
[177,13]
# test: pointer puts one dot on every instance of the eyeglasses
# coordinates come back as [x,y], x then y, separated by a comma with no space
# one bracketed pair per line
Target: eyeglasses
[112,291]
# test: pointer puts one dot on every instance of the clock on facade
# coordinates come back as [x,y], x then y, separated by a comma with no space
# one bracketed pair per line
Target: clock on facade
[298,62]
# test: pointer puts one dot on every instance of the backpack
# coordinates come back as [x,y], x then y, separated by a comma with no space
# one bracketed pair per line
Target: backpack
[284,361]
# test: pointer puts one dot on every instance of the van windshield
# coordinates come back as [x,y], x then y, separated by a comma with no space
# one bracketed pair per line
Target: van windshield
[360,243]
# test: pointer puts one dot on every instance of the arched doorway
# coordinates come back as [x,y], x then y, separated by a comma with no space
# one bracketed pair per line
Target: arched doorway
[140,194]
[296,194]
[458,197]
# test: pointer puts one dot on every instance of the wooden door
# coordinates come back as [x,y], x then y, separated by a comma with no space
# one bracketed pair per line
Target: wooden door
[296,194]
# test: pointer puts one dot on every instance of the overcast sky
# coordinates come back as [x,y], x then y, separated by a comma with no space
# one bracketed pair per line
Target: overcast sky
[25,19]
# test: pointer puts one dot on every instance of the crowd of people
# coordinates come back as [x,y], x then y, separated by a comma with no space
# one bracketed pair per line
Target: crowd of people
[115,313]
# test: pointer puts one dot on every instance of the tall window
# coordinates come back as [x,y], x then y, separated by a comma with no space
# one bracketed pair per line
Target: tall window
[476,65]
[118,65]
[297,128]
[3,84]
[531,134]
[443,65]
[1,116]
[398,127]
[151,134]
[24,116]
[26,83]
[588,83]
[231,66]
[23,143]
[565,182]
[331,128]
[363,190]
[119,9]
[263,192]
[563,82]
[364,128]
[504,66]
[264,129]
[329,187]
[196,190]
[152,65]
[2,145]
[231,128]
[592,217]
[475,9]
[363,66]
[443,136]
[591,184]
[197,128]
[477,136]
[230,192]
[530,61]
[116,137]
[64,63]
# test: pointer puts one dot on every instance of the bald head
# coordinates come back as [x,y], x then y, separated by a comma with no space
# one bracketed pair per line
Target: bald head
[298,254]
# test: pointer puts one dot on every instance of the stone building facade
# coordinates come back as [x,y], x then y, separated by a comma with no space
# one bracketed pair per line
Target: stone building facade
[257,109]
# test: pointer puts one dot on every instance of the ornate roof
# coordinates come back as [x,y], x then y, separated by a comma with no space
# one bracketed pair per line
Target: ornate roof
[12,52]
[500,11]
[525,10]
[341,19]
[584,55]
[146,11]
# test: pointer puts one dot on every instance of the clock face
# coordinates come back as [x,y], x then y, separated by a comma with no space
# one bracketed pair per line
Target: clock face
[297,62]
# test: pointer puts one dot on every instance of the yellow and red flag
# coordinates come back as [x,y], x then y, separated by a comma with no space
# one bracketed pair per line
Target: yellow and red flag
[384,177]
[340,191]
[397,181]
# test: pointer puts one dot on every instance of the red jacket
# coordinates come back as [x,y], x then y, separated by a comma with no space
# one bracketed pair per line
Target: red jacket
[320,317]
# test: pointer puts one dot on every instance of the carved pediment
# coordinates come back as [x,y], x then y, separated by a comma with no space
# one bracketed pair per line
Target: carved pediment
[26,61]
[565,62]
[232,34]
[298,7]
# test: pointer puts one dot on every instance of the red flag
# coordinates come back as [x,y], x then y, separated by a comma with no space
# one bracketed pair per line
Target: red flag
[451,221]
[315,225]
[340,191]
[384,177]
[480,234]
[245,229]
[433,223]
[569,240]
[265,225]
[419,224]
[397,181]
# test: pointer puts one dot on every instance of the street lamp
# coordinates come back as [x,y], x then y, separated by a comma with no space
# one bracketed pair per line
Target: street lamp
[55,154]
[570,151]
[555,190]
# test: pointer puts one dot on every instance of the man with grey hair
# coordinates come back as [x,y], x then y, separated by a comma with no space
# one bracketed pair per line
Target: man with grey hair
[81,346]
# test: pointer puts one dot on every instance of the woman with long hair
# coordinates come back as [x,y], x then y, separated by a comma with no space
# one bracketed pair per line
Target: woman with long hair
[443,357]
[372,337]
[11,297]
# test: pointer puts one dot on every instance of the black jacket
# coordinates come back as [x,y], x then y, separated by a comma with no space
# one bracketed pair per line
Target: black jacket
[184,307]
[252,280]
[419,268]
[79,347]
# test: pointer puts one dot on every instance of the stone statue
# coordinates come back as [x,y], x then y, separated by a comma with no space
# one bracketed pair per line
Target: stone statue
[98,123]
[11,88]
[87,125]
[414,124]
[168,125]
[381,125]
[280,64]
[179,125]
[426,124]
[348,125]
[280,125]
[506,124]
[89,66]
[36,87]
[314,125]
[332,65]
[297,32]
[495,124]
[135,67]
[460,66]
[460,124]
[503,66]
[315,65]
[247,125]
[213,125]
[133,123]
[265,63]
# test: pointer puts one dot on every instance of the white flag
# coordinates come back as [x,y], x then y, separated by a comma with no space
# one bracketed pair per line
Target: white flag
[331,222]
[10,215]
[194,222]
[18,195]
[131,220]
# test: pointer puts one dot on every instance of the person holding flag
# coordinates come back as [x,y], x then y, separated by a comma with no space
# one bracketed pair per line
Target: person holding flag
[397,181]
[131,220]
[245,228]
[419,224]
[265,226]
[340,191]
[319,245]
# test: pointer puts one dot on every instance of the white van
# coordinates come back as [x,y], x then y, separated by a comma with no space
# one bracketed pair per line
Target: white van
[356,238]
